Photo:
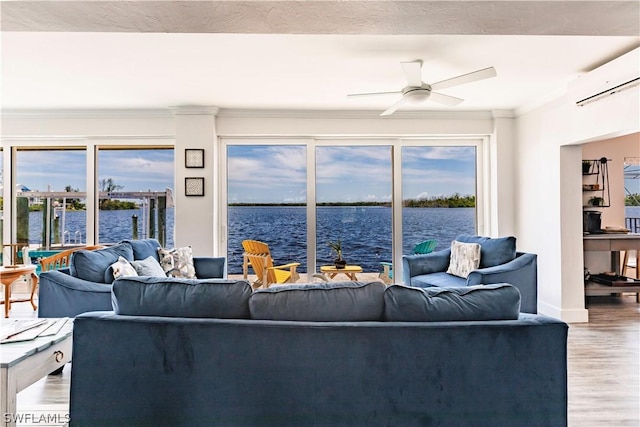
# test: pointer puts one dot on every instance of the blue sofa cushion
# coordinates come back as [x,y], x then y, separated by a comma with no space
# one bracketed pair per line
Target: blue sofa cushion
[320,302]
[493,251]
[440,279]
[471,303]
[95,266]
[144,248]
[178,297]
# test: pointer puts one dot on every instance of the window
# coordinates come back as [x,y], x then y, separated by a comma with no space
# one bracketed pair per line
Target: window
[438,194]
[48,212]
[350,186]
[135,194]
[353,203]
[266,201]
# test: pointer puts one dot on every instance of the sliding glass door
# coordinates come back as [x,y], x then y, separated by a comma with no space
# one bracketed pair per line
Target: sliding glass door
[353,204]
[266,201]
[378,197]
[438,194]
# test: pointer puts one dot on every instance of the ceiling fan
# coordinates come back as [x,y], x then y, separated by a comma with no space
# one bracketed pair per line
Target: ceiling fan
[419,91]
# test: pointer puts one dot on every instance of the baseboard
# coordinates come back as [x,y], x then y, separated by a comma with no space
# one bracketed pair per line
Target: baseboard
[578,315]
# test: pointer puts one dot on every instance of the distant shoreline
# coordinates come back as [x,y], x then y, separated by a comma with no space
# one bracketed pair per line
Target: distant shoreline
[454,201]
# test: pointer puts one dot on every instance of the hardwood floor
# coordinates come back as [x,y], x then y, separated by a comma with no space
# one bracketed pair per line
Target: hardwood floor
[603,368]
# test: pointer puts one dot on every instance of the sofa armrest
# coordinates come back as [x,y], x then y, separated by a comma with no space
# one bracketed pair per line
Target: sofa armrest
[64,279]
[210,267]
[521,272]
[416,265]
[62,295]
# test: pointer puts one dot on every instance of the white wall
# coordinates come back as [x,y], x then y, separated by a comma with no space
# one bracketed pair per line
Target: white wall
[549,192]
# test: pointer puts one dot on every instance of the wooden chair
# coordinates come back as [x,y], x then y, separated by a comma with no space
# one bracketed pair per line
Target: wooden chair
[62,259]
[258,257]
[421,248]
[627,263]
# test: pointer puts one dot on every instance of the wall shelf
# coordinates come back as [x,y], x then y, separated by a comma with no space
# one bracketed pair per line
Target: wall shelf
[595,183]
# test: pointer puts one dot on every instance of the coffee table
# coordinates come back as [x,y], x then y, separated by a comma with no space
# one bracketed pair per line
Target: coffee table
[11,273]
[25,362]
[348,270]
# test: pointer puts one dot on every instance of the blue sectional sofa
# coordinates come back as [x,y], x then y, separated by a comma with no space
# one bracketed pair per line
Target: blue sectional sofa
[499,263]
[215,353]
[86,284]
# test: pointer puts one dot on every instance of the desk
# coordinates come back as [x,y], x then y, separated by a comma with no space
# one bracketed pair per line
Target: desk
[348,270]
[613,243]
[8,275]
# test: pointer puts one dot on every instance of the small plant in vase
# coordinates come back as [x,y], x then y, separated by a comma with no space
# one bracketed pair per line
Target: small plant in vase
[336,246]
[596,201]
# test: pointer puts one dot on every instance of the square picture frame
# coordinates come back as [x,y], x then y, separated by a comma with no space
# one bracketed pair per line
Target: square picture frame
[194,158]
[194,186]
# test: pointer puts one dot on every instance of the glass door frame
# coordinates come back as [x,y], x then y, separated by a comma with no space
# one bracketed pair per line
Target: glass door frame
[396,143]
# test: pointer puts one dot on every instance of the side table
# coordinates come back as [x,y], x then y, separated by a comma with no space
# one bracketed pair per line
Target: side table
[11,273]
[348,270]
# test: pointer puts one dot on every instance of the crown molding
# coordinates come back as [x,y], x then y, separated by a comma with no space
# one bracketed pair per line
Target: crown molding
[354,114]
[195,110]
[172,112]
[85,113]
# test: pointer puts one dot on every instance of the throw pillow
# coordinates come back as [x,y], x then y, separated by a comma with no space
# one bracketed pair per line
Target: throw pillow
[319,302]
[177,262]
[148,267]
[122,268]
[465,257]
[493,250]
[93,266]
[177,297]
[499,301]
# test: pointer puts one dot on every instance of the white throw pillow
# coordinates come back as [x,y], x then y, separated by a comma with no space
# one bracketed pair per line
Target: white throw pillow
[122,268]
[148,267]
[465,257]
[177,262]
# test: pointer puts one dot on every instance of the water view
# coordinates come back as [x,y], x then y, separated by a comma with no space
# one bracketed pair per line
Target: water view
[364,231]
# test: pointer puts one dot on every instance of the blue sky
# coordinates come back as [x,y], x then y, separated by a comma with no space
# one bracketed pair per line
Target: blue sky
[277,174]
[135,170]
[274,173]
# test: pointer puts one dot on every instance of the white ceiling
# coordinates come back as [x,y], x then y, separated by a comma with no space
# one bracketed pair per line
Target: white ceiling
[209,53]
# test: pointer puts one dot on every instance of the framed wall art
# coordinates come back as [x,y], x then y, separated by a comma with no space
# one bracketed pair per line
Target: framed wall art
[194,158]
[194,186]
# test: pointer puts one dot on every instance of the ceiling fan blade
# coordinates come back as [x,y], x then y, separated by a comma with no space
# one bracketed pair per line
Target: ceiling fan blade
[465,78]
[373,93]
[441,98]
[413,73]
[394,107]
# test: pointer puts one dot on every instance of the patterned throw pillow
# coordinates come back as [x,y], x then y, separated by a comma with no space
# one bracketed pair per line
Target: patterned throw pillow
[177,262]
[122,268]
[465,257]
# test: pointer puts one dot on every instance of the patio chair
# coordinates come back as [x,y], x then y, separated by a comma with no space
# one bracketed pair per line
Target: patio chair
[258,257]
[421,248]
[62,259]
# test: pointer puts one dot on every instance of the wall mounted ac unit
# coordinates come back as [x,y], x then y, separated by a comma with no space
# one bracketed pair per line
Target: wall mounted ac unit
[620,74]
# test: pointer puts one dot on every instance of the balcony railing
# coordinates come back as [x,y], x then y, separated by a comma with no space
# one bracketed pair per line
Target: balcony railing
[633,224]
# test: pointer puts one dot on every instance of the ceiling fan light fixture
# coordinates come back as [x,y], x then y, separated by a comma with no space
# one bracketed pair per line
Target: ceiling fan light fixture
[417,96]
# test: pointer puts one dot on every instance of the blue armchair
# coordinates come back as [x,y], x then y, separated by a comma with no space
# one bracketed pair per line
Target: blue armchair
[86,285]
[499,263]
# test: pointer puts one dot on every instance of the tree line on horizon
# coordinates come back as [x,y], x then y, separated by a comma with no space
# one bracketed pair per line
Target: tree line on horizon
[453,201]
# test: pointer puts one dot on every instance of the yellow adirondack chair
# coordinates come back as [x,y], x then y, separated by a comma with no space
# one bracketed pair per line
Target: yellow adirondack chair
[421,248]
[258,257]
